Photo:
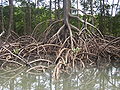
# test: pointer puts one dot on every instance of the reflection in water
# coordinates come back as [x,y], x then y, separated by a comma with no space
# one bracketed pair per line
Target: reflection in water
[87,79]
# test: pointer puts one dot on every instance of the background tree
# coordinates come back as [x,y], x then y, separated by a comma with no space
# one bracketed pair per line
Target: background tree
[1,18]
[1,23]
[10,16]
[27,14]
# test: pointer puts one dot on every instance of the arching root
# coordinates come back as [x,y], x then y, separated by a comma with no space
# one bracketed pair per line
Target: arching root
[66,48]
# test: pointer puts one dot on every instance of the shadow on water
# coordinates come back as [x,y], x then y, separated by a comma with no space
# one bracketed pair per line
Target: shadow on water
[87,79]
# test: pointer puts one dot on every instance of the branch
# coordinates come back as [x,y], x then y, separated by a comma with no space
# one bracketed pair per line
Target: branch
[53,37]
[87,24]
[74,27]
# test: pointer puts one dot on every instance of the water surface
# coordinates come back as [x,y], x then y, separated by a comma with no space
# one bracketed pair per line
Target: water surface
[87,79]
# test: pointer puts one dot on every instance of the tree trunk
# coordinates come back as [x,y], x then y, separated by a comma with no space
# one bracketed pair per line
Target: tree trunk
[91,6]
[66,8]
[11,16]
[103,6]
[101,18]
[78,13]
[117,8]
[1,24]
[111,23]
[84,9]
[50,11]
[1,19]
[25,24]
[55,9]
[58,13]
[29,19]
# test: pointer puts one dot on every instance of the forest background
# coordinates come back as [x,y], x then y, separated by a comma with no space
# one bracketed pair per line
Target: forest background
[22,16]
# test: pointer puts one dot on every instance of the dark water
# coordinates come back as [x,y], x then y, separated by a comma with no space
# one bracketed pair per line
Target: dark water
[87,79]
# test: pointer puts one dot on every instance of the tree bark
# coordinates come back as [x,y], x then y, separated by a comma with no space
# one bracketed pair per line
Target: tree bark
[50,11]
[29,18]
[66,8]
[55,9]
[103,6]
[117,8]
[78,13]
[11,16]
[25,24]
[58,9]
[101,18]
[1,18]
[91,6]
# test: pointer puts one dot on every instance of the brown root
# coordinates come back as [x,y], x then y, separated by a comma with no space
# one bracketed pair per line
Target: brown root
[66,48]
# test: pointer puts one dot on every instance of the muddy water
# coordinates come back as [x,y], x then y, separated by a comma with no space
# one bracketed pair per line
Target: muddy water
[87,79]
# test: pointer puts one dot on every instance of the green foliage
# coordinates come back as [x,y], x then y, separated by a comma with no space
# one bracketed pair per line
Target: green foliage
[76,50]
[6,16]
[16,50]
[116,25]
[110,24]
[19,20]
[75,22]
[38,15]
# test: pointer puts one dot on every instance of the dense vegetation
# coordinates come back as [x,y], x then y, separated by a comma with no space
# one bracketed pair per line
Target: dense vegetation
[61,37]
[28,14]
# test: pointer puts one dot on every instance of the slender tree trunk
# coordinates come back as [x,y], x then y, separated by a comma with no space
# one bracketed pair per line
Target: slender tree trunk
[111,22]
[77,7]
[25,24]
[117,8]
[1,23]
[58,13]
[91,6]
[112,8]
[35,3]
[10,16]
[29,13]
[78,13]
[50,11]
[103,6]
[1,18]
[101,18]
[58,8]
[55,10]
[84,9]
